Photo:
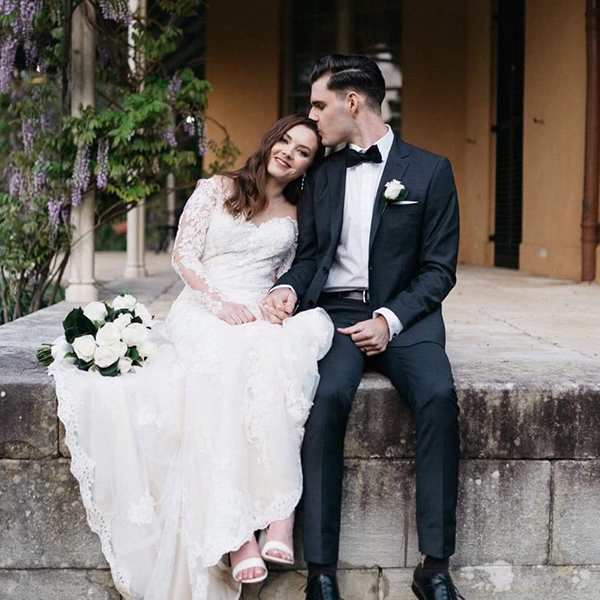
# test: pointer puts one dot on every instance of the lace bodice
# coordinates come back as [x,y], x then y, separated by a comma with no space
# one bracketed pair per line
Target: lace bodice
[222,258]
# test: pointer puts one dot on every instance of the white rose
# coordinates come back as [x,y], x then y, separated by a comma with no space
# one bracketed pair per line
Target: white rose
[127,301]
[119,347]
[96,311]
[142,312]
[146,348]
[85,346]
[393,189]
[60,347]
[109,333]
[122,321]
[125,364]
[134,334]
[105,356]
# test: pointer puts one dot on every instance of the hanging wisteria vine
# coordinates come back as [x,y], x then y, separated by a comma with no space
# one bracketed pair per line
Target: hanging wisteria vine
[146,124]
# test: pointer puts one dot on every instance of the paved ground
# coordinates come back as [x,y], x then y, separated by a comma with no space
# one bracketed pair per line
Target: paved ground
[502,325]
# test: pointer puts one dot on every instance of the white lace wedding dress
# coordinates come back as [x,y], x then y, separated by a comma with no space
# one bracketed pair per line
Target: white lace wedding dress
[181,461]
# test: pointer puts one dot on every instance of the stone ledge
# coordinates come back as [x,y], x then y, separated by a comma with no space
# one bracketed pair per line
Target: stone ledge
[42,519]
[57,584]
[503,582]
[576,523]
[496,423]
[28,421]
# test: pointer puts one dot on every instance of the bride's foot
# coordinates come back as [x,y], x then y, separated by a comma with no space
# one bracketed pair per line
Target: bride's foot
[250,554]
[279,541]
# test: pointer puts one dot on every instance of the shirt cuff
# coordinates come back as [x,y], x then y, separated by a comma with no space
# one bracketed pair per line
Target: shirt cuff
[393,321]
[283,285]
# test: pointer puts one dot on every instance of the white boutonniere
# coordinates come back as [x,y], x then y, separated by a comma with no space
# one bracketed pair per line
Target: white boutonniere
[394,192]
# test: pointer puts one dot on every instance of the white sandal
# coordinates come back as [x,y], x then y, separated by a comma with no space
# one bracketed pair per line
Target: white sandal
[250,563]
[274,545]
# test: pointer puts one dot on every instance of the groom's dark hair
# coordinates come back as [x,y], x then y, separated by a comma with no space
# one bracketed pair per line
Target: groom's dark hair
[352,72]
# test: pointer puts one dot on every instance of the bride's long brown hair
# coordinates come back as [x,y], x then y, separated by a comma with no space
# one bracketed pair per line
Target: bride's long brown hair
[249,196]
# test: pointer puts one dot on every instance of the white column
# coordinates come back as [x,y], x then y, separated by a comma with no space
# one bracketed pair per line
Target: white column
[82,284]
[135,267]
[171,208]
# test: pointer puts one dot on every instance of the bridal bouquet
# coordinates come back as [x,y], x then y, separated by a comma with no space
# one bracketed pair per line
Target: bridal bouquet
[104,338]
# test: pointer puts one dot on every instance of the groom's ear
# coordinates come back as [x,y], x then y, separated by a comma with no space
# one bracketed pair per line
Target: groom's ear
[352,102]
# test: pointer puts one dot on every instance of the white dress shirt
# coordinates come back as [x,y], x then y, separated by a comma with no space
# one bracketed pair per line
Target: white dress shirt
[350,267]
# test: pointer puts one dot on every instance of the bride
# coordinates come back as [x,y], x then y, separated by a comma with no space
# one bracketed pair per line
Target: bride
[182,462]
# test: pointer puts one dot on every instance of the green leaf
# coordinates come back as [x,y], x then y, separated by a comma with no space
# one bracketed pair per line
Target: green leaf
[77,324]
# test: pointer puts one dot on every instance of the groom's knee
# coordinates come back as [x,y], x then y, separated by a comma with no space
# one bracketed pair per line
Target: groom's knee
[331,408]
[437,405]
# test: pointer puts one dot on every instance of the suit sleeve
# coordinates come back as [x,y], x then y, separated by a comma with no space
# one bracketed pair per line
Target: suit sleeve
[304,267]
[439,250]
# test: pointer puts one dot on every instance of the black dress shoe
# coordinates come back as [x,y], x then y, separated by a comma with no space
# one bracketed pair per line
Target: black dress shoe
[323,587]
[434,586]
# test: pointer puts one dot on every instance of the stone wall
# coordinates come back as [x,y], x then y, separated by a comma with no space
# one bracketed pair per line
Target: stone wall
[529,510]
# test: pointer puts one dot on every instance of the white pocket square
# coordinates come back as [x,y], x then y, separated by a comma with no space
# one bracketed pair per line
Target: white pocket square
[407,202]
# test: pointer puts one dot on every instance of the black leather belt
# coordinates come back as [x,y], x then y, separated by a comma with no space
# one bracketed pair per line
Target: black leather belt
[360,295]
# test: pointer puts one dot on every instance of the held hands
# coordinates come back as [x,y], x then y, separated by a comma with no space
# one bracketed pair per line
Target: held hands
[371,336]
[279,305]
[235,314]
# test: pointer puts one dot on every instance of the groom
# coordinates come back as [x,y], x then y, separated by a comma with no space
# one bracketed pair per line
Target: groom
[379,259]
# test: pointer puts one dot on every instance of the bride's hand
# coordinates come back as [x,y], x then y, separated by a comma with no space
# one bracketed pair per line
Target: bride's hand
[235,314]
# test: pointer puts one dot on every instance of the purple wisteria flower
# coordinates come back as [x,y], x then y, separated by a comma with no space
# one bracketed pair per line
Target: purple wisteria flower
[31,53]
[116,10]
[102,159]
[8,52]
[36,95]
[28,11]
[40,175]
[28,131]
[81,174]
[202,138]
[169,135]
[189,125]
[173,89]
[54,212]
[46,121]
[7,6]
[15,184]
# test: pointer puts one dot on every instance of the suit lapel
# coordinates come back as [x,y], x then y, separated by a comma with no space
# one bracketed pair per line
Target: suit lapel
[395,167]
[336,179]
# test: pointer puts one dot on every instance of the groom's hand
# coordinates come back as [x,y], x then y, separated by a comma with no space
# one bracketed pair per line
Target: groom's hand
[279,305]
[371,336]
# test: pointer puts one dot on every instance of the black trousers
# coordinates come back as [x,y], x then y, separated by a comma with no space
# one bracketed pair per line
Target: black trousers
[423,377]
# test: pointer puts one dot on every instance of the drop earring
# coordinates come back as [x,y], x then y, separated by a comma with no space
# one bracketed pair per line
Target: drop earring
[302,182]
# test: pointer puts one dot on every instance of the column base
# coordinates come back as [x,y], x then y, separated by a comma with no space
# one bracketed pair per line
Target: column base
[135,272]
[81,292]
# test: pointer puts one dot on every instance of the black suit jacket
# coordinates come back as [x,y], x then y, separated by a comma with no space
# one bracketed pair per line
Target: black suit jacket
[413,247]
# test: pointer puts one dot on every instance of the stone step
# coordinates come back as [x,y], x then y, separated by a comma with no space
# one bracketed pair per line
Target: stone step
[522,513]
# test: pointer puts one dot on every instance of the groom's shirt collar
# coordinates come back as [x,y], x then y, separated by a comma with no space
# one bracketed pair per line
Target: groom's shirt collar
[384,144]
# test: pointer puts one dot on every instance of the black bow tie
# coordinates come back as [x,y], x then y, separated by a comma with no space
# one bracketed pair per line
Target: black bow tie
[353,157]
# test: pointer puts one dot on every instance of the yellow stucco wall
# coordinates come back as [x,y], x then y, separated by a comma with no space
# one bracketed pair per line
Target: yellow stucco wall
[243,65]
[478,197]
[434,73]
[553,157]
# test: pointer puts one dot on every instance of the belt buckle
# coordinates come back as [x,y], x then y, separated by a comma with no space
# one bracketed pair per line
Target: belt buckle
[364,296]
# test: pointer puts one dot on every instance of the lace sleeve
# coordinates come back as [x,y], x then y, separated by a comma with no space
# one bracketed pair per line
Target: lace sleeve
[288,259]
[190,241]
